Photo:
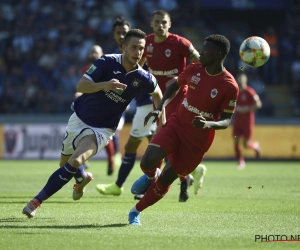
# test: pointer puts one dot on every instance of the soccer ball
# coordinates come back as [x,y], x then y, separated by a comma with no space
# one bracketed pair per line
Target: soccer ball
[254,51]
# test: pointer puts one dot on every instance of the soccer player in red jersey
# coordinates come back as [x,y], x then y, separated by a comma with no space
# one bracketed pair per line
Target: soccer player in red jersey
[166,54]
[189,132]
[248,101]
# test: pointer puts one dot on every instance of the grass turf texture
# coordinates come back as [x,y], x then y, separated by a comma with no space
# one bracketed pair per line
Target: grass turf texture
[229,211]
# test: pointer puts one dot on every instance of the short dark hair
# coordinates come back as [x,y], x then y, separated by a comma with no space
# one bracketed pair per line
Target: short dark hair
[221,41]
[134,33]
[162,13]
[121,21]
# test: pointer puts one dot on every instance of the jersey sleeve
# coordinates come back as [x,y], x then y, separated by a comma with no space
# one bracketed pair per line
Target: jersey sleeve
[182,78]
[187,47]
[229,102]
[96,70]
[253,93]
[152,84]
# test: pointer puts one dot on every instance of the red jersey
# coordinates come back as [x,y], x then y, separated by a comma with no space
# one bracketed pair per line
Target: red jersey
[207,95]
[85,68]
[167,58]
[245,98]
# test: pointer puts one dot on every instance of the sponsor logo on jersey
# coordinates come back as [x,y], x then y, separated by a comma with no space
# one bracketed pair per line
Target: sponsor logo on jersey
[168,53]
[232,103]
[114,95]
[213,93]
[149,48]
[192,87]
[195,110]
[136,82]
[163,73]
[195,79]
[92,69]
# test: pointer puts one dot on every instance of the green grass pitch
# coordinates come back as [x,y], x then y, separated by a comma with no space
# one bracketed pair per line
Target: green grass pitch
[229,211]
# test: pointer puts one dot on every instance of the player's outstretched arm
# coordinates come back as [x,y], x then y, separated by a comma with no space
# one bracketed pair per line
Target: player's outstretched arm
[88,86]
[173,87]
[223,123]
[157,98]
[194,57]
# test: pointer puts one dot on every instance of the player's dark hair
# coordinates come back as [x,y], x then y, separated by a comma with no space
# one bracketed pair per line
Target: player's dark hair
[121,21]
[162,13]
[221,41]
[134,33]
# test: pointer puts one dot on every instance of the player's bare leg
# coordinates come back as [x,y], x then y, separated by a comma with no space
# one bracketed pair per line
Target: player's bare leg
[152,157]
[63,159]
[109,148]
[252,145]
[238,155]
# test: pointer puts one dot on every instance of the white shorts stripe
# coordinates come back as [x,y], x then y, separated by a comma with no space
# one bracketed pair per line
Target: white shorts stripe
[77,129]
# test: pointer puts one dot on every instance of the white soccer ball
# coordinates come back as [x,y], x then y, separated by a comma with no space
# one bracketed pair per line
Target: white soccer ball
[254,51]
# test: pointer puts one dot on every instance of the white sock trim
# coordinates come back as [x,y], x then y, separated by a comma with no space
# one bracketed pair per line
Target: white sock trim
[134,210]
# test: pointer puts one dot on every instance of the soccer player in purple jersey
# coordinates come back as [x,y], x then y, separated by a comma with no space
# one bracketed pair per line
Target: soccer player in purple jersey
[108,87]
[138,132]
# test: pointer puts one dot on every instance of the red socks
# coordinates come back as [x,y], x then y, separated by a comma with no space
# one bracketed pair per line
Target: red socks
[155,192]
[110,153]
[149,172]
[237,152]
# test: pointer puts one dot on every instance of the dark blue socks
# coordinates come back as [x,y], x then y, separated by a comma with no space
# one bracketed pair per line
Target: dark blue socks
[80,174]
[125,169]
[56,181]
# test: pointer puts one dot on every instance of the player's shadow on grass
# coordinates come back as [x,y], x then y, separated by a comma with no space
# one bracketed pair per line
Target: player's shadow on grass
[101,200]
[60,227]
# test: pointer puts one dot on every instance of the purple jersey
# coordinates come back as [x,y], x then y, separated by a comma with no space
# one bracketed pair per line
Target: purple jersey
[103,109]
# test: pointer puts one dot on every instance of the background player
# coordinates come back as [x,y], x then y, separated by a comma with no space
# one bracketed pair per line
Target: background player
[166,54]
[208,106]
[248,101]
[97,114]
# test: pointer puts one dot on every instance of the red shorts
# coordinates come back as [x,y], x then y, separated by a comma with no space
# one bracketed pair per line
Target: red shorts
[243,130]
[179,147]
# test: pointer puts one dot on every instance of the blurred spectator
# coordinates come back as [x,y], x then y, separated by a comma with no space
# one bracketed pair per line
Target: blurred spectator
[270,73]
[286,57]
[43,44]
[268,108]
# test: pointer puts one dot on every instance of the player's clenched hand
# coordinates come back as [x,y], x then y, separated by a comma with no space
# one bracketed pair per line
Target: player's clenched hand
[155,113]
[114,84]
[199,122]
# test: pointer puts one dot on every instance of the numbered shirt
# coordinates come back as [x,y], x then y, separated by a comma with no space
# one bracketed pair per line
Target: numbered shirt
[104,108]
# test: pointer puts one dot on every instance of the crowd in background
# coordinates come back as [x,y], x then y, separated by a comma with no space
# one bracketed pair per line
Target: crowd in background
[44,45]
